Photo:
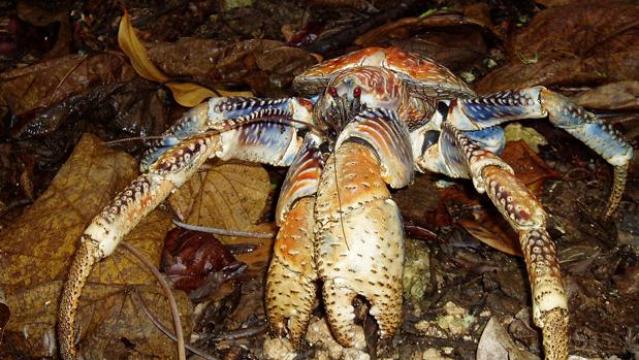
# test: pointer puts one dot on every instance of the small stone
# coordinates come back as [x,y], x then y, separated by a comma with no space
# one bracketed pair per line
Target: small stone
[278,348]
[319,336]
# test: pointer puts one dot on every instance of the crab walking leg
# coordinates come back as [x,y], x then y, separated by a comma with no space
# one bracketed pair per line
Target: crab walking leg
[538,102]
[268,126]
[124,212]
[525,214]
[263,136]
[290,284]
[359,242]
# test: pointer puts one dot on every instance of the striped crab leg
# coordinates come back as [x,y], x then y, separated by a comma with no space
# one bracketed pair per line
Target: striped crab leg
[261,131]
[538,102]
[527,217]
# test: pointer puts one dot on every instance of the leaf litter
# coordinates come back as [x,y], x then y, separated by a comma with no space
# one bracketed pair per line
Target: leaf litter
[587,51]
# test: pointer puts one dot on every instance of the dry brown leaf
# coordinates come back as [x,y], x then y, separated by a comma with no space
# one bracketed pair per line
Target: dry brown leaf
[265,65]
[186,94]
[134,49]
[35,252]
[491,234]
[41,85]
[622,95]
[229,196]
[573,44]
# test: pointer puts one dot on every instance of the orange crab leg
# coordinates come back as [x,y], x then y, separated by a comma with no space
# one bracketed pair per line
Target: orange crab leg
[526,216]
[290,283]
[265,131]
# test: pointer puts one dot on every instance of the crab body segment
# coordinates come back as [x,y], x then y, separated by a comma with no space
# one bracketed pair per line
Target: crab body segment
[369,120]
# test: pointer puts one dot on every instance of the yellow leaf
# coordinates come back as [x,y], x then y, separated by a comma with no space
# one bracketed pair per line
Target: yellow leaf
[228,196]
[185,93]
[36,249]
[135,50]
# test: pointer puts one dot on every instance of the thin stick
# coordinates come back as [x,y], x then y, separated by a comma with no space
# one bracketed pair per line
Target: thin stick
[218,231]
[224,129]
[166,331]
[177,323]
[133,138]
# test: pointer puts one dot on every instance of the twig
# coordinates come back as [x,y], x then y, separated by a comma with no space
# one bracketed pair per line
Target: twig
[134,138]
[177,323]
[218,231]
[239,333]
[166,331]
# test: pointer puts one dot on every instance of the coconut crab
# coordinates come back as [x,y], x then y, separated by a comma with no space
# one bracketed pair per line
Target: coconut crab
[371,118]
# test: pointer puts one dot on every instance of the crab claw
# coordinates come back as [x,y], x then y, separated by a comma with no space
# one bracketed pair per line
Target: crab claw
[290,284]
[359,242]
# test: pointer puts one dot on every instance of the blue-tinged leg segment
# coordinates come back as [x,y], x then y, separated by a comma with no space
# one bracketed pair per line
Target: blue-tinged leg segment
[538,102]
[599,136]
[251,129]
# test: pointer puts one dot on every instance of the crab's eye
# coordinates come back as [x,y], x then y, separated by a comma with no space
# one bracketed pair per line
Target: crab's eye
[332,91]
[357,91]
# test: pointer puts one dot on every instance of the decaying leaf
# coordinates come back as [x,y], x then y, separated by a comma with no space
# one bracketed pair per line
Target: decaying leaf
[267,66]
[492,234]
[39,86]
[36,249]
[38,16]
[185,93]
[590,42]
[622,95]
[405,26]
[228,196]
[191,258]
[528,166]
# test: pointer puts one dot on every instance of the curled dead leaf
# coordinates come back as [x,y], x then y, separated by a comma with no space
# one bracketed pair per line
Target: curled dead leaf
[185,93]
[45,238]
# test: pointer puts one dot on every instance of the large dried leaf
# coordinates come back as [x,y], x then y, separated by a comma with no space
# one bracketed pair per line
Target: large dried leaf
[579,43]
[473,15]
[229,196]
[186,94]
[622,95]
[41,85]
[35,252]
[267,66]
